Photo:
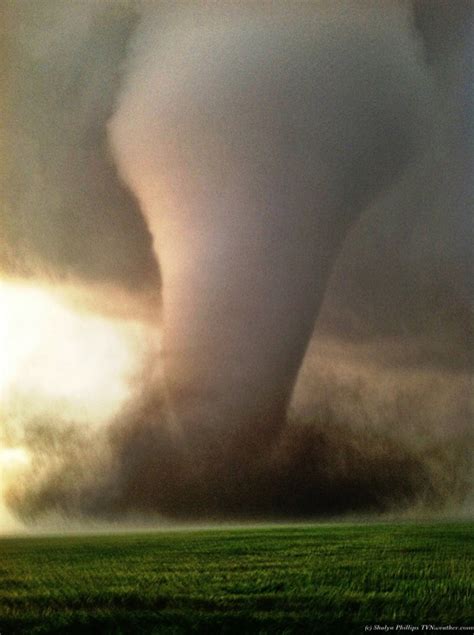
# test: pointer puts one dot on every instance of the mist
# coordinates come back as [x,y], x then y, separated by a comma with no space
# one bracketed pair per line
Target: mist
[283,193]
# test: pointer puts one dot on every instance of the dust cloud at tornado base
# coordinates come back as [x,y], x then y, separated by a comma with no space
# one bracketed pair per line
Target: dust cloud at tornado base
[380,418]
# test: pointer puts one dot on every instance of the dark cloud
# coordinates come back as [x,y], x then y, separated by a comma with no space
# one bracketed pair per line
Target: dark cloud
[64,210]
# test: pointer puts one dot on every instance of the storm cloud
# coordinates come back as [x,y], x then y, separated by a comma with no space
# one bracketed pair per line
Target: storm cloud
[287,191]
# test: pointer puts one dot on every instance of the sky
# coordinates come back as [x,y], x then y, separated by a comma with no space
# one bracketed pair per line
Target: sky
[235,260]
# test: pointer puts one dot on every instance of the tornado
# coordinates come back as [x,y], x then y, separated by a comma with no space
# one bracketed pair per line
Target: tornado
[278,195]
[253,138]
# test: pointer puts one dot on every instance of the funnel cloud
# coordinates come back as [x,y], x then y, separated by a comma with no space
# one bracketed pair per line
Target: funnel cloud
[284,192]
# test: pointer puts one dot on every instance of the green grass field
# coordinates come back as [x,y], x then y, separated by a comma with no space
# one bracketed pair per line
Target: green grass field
[329,578]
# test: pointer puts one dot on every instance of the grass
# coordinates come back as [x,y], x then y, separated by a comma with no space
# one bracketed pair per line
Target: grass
[333,578]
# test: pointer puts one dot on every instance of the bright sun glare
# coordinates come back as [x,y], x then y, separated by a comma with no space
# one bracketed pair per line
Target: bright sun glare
[55,360]
[51,352]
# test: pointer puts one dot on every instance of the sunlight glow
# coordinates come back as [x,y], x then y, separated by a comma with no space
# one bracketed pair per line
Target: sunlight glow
[12,458]
[53,353]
